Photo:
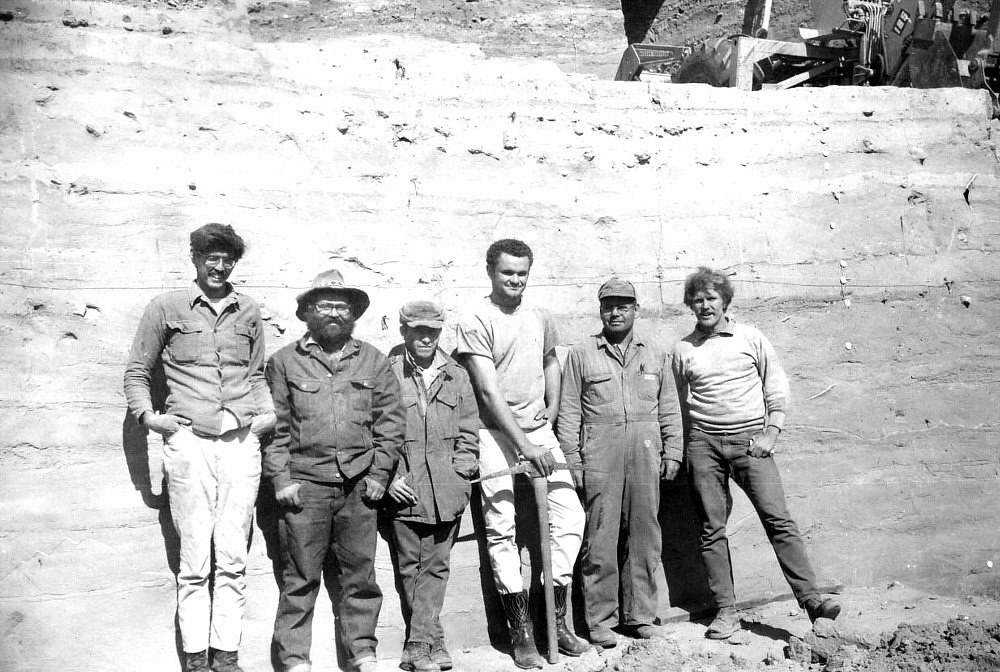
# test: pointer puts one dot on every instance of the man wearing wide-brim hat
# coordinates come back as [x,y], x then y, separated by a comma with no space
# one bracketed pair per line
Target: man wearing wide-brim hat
[338,438]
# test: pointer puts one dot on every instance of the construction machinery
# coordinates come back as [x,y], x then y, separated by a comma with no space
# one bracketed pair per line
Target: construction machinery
[856,42]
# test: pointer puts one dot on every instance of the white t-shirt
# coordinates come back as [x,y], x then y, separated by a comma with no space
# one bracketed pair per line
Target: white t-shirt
[516,342]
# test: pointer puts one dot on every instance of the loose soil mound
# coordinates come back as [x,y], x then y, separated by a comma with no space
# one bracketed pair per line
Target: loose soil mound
[955,646]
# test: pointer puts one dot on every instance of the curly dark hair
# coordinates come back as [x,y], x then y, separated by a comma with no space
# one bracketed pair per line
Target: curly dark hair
[706,278]
[213,237]
[511,246]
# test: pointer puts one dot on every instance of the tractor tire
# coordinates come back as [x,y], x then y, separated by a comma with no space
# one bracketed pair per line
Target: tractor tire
[703,66]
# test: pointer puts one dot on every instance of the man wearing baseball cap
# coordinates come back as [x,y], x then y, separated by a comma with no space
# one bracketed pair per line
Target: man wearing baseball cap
[339,434]
[619,418]
[431,487]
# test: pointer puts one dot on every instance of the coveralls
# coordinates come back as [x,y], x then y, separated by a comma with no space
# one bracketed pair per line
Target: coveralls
[619,418]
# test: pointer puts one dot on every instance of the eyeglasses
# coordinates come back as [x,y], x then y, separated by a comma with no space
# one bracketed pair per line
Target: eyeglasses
[620,308]
[332,307]
[213,260]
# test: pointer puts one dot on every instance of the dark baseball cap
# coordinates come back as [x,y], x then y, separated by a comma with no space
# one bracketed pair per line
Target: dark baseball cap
[422,314]
[616,287]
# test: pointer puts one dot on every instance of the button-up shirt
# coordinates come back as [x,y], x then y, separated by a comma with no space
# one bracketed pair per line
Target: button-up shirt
[212,356]
[605,385]
[336,419]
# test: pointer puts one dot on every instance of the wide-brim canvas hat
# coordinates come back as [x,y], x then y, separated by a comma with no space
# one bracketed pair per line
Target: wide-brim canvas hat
[333,280]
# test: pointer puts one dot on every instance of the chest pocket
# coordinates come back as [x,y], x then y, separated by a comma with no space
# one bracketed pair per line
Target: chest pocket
[187,341]
[245,335]
[446,408]
[306,397]
[599,389]
[649,386]
[360,393]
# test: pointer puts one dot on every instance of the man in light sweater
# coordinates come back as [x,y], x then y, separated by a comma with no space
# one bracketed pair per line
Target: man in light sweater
[734,395]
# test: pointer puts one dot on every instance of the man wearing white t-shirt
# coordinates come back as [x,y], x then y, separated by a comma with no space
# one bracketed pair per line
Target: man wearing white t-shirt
[508,347]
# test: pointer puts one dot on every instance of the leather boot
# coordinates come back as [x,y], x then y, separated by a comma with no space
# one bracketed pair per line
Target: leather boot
[225,661]
[196,662]
[569,644]
[522,639]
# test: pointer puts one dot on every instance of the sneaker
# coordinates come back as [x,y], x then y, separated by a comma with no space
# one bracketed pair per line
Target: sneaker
[196,662]
[225,661]
[817,608]
[440,655]
[725,625]
[416,657]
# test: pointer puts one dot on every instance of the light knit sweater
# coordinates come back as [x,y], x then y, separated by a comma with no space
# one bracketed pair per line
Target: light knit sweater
[730,381]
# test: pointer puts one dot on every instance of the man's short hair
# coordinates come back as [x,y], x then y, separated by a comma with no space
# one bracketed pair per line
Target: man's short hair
[511,246]
[706,278]
[216,237]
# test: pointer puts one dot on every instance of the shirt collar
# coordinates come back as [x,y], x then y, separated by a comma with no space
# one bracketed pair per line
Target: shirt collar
[308,343]
[409,365]
[634,339]
[727,330]
[195,294]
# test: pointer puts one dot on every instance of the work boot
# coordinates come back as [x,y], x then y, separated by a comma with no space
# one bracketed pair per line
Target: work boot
[417,658]
[196,662]
[440,655]
[603,638]
[725,625]
[817,608]
[569,644]
[522,639]
[644,631]
[225,661]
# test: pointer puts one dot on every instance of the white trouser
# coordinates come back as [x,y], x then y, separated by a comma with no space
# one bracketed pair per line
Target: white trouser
[566,518]
[212,483]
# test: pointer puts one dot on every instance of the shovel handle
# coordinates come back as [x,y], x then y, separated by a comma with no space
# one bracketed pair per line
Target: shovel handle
[541,486]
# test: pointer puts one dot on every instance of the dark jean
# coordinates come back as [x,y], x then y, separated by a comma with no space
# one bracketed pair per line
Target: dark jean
[712,460]
[333,536]
[422,553]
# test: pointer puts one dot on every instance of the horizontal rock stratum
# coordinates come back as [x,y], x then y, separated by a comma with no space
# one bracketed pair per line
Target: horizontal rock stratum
[860,225]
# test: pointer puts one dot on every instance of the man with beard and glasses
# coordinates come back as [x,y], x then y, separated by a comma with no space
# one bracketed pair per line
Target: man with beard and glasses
[508,346]
[734,395]
[618,416]
[209,340]
[430,490]
[338,438]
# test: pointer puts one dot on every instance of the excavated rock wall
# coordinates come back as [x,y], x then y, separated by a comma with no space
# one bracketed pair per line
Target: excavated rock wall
[860,226]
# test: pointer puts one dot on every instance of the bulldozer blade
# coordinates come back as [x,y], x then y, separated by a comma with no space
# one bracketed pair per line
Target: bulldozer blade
[936,67]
